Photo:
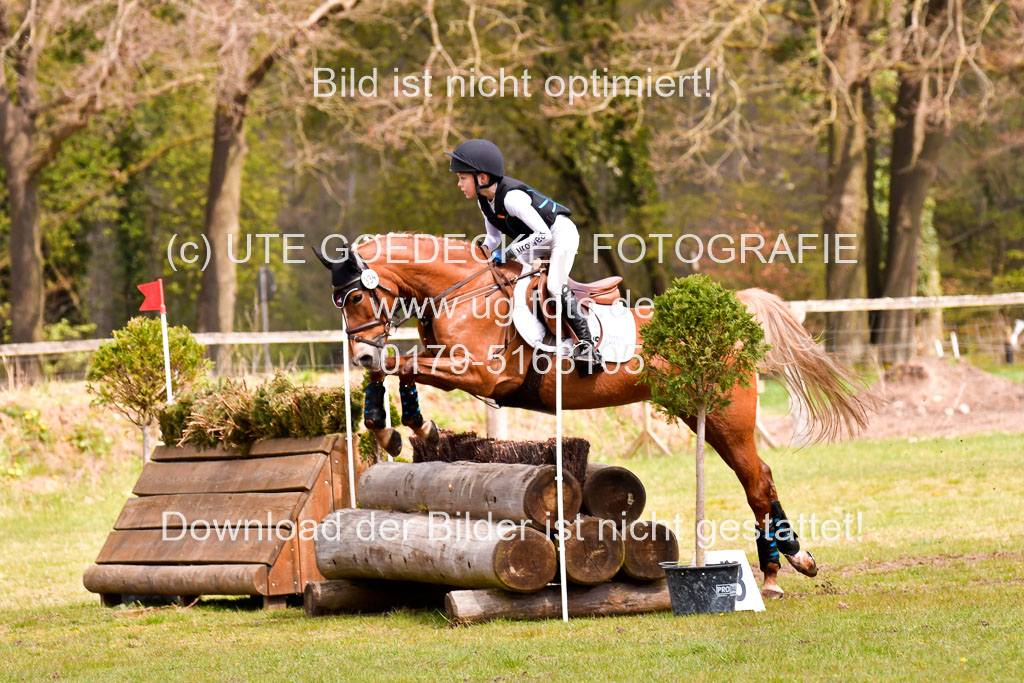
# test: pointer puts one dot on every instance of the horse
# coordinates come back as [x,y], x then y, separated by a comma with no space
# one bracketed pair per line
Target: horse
[458,296]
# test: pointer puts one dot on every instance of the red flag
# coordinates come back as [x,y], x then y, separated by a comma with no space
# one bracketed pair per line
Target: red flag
[154,292]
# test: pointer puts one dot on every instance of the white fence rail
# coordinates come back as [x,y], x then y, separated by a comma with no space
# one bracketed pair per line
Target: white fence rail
[908,302]
[206,338]
[409,334]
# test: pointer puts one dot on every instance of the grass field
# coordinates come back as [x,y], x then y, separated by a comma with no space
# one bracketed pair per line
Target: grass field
[930,586]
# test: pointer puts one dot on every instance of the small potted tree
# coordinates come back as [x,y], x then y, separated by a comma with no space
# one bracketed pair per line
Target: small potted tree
[128,372]
[699,344]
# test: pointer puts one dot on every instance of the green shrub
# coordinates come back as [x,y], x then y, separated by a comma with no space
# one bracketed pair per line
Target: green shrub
[128,372]
[700,342]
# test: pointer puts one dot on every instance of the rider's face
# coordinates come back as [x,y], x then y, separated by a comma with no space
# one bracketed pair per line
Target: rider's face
[467,186]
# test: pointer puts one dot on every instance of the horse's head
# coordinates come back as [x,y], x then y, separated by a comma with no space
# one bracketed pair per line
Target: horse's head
[367,305]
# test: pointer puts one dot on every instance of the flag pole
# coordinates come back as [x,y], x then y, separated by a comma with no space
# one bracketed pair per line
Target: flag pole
[167,352]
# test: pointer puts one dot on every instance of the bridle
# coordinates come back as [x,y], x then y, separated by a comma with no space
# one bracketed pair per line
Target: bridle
[368,281]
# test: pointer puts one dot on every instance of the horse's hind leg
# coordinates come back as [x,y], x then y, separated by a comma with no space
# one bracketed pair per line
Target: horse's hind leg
[740,455]
[730,435]
[411,415]
[786,539]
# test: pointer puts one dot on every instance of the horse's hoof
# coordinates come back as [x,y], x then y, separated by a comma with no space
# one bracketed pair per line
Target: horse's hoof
[390,440]
[430,434]
[772,593]
[804,563]
[394,445]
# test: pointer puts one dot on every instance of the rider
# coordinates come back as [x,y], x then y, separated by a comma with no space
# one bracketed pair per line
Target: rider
[534,222]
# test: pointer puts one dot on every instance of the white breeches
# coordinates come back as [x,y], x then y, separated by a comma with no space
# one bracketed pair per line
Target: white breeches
[561,252]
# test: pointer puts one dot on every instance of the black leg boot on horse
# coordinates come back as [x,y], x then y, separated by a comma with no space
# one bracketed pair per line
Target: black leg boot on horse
[585,354]
[375,417]
[411,415]
[775,535]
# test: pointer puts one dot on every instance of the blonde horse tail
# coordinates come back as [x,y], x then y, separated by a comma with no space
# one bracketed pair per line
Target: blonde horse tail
[833,394]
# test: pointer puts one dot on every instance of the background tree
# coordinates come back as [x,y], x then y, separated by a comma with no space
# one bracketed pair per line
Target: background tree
[237,28]
[60,65]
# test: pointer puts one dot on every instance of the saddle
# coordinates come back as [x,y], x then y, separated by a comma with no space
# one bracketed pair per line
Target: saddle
[604,292]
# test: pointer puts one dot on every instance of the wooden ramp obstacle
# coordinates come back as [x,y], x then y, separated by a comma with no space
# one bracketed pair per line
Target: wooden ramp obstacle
[225,521]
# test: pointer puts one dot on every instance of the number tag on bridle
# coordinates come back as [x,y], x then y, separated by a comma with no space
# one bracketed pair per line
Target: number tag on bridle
[369,278]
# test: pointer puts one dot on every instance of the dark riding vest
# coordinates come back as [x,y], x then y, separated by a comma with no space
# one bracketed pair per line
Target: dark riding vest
[548,208]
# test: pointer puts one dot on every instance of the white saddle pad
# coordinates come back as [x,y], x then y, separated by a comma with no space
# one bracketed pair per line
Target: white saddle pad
[613,327]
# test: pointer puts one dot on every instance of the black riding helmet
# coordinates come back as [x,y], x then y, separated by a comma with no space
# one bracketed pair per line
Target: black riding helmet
[478,156]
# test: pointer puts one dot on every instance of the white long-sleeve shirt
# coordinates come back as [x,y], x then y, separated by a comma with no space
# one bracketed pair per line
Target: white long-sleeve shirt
[518,204]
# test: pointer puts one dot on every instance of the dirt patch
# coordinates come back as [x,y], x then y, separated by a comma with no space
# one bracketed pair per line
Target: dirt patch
[905,562]
[935,397]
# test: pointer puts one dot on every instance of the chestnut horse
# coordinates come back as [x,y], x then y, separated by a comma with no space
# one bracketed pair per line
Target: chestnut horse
[463,306]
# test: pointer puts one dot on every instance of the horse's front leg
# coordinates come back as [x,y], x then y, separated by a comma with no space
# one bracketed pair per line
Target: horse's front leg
[375,416]
[475,376]
[411,415]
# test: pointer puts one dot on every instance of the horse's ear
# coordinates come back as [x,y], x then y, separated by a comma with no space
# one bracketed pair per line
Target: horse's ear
[323,259]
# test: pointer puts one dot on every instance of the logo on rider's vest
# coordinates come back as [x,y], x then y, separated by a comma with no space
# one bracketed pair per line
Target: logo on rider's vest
[369,278]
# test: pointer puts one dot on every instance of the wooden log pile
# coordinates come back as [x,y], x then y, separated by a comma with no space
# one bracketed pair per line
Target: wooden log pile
[467,446]
[468,529]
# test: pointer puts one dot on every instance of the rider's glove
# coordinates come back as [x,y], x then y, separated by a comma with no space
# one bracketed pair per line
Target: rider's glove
[499,256]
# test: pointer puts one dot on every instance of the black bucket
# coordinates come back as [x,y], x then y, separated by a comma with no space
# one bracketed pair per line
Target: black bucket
[702,590]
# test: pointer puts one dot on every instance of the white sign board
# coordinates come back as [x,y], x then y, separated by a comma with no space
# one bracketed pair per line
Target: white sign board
[748,596]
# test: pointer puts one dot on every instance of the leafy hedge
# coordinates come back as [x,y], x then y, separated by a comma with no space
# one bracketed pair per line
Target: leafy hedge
[229,413]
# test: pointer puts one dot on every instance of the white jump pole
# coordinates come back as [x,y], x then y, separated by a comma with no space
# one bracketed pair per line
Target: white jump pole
[558,455]
[348,417]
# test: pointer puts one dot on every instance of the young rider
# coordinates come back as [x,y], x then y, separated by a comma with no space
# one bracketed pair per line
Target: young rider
[535,223]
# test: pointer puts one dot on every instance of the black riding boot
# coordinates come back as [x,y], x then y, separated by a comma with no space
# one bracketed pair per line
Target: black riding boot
[586,355]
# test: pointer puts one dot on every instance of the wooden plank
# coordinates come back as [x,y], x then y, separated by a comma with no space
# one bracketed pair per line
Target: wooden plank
[319,503]
[205,338]
[151,546]
[269,447]
[339,471]
[189,452]
[287,473]
[209,579]
[909,302]
[267,509]
[283,577]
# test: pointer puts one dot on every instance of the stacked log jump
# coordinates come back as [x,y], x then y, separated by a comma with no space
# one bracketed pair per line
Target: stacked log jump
[480,538]
[224,521]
